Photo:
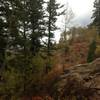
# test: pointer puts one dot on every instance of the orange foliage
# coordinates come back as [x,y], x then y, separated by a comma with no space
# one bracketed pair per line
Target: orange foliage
[56,71]
[37,98]
[25,98]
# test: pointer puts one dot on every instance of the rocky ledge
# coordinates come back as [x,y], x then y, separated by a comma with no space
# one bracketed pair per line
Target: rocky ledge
[81,81]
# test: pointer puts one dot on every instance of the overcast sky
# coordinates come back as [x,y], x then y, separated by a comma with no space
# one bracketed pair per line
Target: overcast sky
[82,9]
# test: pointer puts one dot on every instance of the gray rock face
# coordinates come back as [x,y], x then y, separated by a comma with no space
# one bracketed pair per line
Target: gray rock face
[83,79]
[85,71]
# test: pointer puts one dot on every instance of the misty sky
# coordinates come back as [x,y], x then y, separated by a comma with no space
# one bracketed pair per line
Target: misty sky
[82,9]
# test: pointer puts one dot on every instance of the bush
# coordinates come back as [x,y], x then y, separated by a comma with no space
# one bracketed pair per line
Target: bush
[22,77]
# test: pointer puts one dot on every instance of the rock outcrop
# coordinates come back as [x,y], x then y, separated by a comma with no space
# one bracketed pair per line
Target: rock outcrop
[81,81]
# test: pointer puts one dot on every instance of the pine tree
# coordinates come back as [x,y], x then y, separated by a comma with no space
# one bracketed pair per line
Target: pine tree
[25,25]
[52,7]
[3,32]
[2,42]
[11,16]
[96,15]
[91,53]
[37,23]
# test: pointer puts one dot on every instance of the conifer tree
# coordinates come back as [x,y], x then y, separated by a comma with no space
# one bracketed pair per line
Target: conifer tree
[52,7]
[37,24]
[3,32]
[96,15]
[91,53]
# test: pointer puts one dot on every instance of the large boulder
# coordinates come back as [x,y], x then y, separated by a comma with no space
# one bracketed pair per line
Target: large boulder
[80,81]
